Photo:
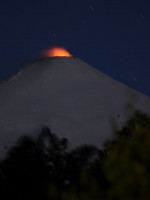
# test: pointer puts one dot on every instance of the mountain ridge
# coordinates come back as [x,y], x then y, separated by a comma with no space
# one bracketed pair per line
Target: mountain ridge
[76,100]
[52,59]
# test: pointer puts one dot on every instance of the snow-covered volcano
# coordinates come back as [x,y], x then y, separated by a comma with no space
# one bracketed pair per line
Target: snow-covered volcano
[74,99]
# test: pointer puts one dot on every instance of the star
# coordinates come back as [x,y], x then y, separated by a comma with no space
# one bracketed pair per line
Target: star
[91,8]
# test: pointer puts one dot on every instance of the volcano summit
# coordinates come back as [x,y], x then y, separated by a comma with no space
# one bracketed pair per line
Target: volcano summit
[72,98]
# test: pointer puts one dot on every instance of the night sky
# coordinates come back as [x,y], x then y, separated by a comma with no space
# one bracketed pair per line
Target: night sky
[111,35]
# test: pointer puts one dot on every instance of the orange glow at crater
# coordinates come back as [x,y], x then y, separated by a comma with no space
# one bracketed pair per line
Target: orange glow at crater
[57,51]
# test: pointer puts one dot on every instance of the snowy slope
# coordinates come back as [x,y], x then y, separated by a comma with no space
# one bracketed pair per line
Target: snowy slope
[74,99]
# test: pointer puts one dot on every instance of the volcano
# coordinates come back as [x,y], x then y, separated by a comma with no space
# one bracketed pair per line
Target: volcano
[72,98]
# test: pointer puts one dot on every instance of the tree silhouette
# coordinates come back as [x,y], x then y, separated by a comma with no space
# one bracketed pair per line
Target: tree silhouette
[127,164]
[47,169]
[44,168]
[23,172]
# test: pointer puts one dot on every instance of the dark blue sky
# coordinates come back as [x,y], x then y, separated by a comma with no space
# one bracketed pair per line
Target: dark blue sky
[111,35]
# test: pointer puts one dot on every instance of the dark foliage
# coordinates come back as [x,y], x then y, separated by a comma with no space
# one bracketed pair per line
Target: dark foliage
[23,172]
[46,169]
[32,168]
[126,162]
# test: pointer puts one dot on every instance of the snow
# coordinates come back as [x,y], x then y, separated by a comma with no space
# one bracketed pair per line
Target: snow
[74,99]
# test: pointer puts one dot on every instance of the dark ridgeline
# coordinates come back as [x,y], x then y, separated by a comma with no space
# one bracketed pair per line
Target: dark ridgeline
[46,169]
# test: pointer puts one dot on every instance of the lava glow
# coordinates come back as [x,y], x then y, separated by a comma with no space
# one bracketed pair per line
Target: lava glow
[57,51]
